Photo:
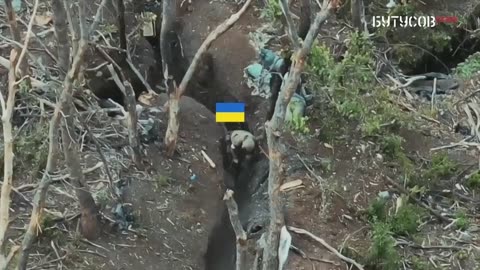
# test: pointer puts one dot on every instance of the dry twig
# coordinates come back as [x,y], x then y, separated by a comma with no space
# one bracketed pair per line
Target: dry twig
[424,205]
[326,245]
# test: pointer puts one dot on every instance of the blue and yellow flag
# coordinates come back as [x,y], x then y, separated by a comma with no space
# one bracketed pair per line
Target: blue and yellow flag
[230,112]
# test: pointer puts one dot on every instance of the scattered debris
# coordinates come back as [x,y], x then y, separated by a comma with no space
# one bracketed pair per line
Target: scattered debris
[288,186]
[209,160]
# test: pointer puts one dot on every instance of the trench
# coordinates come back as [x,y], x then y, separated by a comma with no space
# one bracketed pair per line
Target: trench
[248,180]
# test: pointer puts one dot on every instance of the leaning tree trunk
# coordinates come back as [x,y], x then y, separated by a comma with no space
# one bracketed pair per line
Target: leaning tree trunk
[61,34]
[7,112]
[274,128]
[89,222]
[15,32]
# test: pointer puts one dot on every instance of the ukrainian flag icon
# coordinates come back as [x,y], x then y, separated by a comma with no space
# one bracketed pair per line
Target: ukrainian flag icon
[230,112]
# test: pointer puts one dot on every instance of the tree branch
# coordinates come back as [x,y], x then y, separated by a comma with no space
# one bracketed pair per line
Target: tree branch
[61,34]
[7,112]
[129,96]
[40,193]
[327,246]
[173,125]
[291,30]
[221,29]
[15,32]
[126,87]
[240,233]
[18,70]
[276,149]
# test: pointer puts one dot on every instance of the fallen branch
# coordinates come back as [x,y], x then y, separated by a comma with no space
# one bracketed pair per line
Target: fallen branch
[240,233]
[173,126]
[417,201]
[326,245]
[103,159]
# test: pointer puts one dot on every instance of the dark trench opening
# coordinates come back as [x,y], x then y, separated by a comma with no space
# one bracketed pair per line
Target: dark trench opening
[444,62]
[461,45]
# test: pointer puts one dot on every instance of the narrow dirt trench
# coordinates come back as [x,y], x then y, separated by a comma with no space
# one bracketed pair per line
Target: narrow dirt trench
[232,52]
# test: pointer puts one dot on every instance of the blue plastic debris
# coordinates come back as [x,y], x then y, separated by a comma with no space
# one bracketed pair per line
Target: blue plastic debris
[254,70]
[270,59]
[16,5]
[193,178]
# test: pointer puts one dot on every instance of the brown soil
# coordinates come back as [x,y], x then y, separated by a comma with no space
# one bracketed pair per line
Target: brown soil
[175,217]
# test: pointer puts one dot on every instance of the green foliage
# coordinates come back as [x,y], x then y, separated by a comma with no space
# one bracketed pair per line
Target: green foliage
[30,148]
[420,264]
[102,197]
[273,11]
[462,221]
[406,221]
[441,167]
[161,181]
[353,88]
[469,67]
[382,253]
[321,62]
[391,146]
[300,126]
[403,10]
[377,210]
[474,180]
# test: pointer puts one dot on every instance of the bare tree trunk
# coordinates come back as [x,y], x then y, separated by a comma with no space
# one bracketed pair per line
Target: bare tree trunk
[305,18]
[173,125]
[276,149]
[126,87]
[129,97]
[7,112]
[61,34]
[241,235]
[358,15]
[89,223]
[169,15]
[41,192]
[15,32]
